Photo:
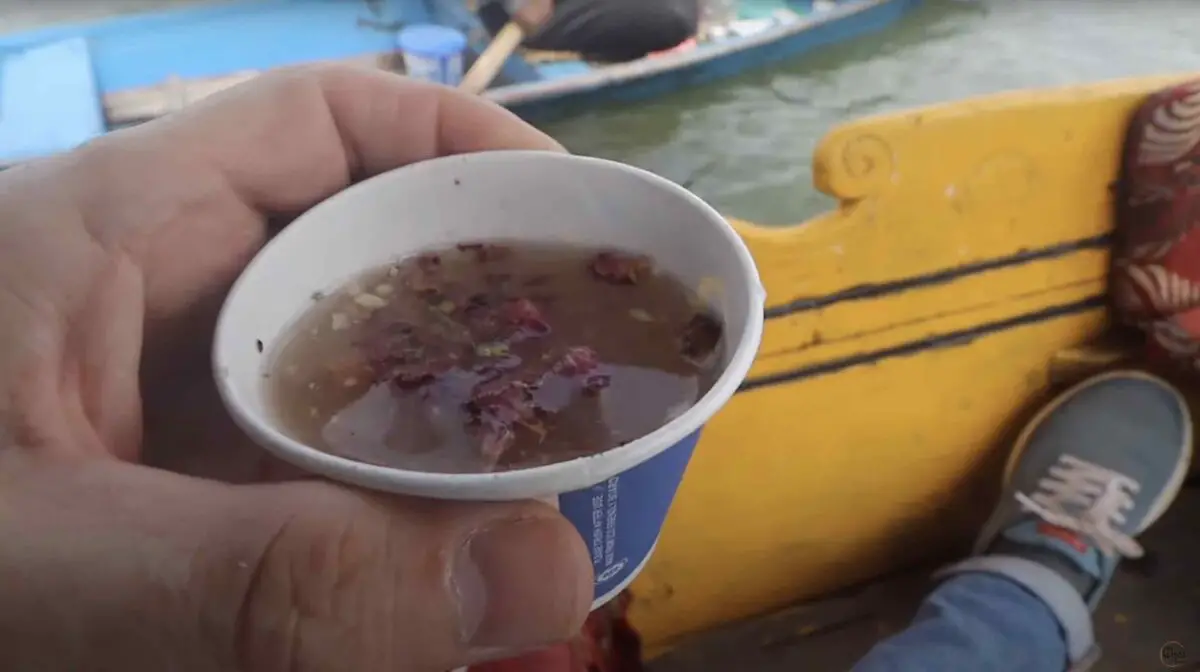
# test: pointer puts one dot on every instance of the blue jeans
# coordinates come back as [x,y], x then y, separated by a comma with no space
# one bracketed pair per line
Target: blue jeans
[974,622]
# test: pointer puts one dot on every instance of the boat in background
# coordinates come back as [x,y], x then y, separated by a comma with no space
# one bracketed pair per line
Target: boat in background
[959,283]
[63,85]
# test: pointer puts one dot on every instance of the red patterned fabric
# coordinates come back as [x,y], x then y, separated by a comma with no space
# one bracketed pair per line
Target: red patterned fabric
[607,644]
[1156,257]
[557,659]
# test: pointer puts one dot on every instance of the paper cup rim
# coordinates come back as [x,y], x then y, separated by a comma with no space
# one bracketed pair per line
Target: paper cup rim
[531,482]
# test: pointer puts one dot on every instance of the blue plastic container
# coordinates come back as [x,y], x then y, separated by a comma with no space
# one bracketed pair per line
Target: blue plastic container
[433,53]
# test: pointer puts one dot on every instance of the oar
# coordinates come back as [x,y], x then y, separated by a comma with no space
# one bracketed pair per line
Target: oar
[487,66]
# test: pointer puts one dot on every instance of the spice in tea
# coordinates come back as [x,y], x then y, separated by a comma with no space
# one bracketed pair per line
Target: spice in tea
[493,356]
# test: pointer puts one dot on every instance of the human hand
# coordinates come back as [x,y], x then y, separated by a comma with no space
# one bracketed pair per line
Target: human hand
[113,261]
[531,14]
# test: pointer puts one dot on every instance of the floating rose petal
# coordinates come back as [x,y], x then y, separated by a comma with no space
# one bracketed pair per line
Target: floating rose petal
[525,315]
[577,361]
[621,269]
[700,338]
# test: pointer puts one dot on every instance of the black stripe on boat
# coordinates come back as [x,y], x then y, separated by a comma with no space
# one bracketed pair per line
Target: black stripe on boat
[953,339]
[871,291]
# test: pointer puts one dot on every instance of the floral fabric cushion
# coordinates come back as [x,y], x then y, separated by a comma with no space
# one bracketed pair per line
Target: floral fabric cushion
[1156,255]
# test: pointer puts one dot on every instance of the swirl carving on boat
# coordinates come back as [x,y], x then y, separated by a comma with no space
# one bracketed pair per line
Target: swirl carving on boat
[868,162]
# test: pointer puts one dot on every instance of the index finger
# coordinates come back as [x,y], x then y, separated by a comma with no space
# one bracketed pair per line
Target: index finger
[295,137]
[188,197]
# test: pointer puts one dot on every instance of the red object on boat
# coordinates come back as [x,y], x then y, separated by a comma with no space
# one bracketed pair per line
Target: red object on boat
[555,659]
[607,643]
[686,45]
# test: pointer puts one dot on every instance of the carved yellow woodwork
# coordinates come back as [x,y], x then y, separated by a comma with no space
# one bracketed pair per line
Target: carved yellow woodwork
[909,332]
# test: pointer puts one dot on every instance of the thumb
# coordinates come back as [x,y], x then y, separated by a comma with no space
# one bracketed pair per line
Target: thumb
[350,581]
[125,567]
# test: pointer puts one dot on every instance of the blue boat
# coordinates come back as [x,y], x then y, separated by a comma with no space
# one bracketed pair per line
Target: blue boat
[63,85]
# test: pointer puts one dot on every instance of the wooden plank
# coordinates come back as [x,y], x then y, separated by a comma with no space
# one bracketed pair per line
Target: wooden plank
[123,107]
[49,101]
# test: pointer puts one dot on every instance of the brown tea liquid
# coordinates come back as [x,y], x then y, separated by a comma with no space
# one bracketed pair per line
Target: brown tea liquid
[488,356]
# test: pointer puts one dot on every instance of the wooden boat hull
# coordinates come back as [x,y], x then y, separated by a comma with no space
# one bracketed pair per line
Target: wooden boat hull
[653,77]
[910,332]
[129,69]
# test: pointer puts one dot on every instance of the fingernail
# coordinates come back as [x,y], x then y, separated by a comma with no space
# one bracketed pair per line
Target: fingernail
[519,585]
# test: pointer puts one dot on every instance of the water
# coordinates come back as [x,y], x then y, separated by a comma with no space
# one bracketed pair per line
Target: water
[745,144]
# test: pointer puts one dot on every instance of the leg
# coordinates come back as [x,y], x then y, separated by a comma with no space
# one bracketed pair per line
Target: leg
[1093,470]
[978,622]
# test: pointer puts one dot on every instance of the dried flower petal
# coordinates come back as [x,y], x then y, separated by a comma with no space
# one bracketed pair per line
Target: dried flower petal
[429,263]
[700,338]
[524,314]
[477,302]
[577,361]
[468,346]
[621,269]
[411,377]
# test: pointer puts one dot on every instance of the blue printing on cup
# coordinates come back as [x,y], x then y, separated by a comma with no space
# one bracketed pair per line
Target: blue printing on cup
[620,519]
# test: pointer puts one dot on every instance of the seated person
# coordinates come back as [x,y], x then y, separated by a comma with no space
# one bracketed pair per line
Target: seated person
[605,30]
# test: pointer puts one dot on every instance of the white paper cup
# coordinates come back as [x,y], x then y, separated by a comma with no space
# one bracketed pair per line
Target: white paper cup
[618,499]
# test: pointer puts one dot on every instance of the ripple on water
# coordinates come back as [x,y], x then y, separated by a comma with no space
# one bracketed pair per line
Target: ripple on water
[746,144]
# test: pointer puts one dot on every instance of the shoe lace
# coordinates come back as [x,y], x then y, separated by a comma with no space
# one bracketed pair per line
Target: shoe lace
[1088,499]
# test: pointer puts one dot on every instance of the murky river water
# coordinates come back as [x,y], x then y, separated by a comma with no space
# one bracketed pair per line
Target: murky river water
[745,144]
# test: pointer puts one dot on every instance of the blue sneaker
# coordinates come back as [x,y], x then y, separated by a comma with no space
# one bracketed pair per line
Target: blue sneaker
[1090,472]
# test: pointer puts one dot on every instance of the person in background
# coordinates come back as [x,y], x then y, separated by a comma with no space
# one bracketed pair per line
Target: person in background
[603,30]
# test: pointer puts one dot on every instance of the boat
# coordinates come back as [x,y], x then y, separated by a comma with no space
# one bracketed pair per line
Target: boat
[128,69]
[959,282]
